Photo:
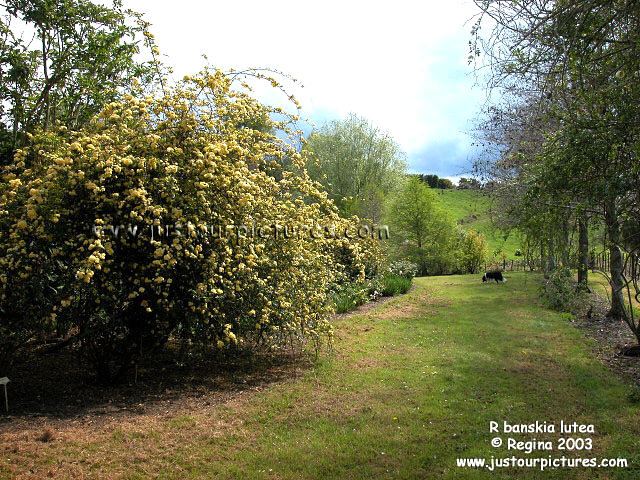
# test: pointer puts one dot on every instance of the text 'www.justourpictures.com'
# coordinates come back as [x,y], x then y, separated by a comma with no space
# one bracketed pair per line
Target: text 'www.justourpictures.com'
[543,463]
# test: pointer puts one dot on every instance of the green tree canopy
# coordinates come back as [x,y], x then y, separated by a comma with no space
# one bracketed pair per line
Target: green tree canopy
[423,232]
[81,55]
[436,182]
[358,165]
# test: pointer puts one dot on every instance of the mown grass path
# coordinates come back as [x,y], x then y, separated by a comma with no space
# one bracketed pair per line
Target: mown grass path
[412,385]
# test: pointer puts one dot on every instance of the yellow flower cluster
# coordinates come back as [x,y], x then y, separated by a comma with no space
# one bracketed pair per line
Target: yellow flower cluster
[203,154]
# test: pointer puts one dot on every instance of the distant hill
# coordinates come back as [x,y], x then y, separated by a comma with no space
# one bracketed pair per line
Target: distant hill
[471,210]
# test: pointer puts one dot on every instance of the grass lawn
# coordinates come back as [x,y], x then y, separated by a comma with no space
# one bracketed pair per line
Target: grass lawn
[411,386]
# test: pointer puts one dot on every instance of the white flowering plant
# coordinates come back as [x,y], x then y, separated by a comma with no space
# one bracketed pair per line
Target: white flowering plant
[402,268]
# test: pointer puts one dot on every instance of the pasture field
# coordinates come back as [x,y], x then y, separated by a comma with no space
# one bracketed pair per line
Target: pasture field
[472,210]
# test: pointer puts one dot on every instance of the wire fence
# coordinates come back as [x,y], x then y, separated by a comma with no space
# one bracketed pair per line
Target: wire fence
[602,261]
[597,261]
[513,265]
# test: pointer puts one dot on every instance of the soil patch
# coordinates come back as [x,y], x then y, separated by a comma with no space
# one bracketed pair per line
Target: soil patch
[613,339]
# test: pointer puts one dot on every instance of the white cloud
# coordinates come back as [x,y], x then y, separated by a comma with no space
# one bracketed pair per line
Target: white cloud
[402,65]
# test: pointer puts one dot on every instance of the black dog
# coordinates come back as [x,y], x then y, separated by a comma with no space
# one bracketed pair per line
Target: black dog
[496,275]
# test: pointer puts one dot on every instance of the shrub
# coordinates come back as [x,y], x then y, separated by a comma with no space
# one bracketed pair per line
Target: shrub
[473,251]
[402,268]
[356,259]
[559,291]
[568,317]
[188,160]
[424,233]
[374,288]
[348,297]
[395,285]
[22,318]
[371,255]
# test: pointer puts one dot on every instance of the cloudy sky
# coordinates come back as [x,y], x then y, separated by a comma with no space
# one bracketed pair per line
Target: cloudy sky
[401,65]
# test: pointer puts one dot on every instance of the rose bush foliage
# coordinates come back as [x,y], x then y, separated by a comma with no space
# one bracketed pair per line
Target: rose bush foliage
[77,209]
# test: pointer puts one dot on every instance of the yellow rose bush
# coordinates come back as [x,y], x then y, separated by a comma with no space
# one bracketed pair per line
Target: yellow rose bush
[359,259]
[358,255]
[176,215]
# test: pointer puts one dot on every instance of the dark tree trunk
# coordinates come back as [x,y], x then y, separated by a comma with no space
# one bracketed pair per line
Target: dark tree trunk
[566,243]
[583,253]
[617,310]
[551,258]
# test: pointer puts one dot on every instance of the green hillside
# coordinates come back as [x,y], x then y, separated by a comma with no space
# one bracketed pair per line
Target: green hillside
[472,211]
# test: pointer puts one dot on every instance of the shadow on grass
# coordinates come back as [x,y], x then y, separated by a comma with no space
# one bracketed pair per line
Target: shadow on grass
[59,386]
